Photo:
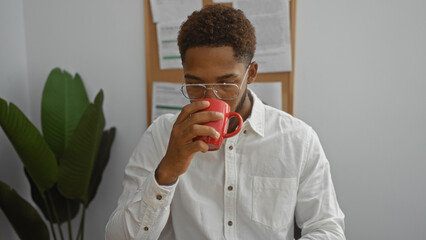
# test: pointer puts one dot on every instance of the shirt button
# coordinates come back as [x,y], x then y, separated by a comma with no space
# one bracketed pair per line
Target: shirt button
[230,188]
[146,228]
[159,197]
[231,147]
[229,223]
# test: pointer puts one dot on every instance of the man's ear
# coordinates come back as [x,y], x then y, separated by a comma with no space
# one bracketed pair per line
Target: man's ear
[252,72]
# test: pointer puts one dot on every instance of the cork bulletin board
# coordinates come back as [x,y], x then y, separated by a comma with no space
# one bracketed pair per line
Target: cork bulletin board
[154,73]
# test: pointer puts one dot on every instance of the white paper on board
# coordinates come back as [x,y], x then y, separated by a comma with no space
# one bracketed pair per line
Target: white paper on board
[269,92]
[166,98]
[168,51]
[271,21]
[222,1]
[173,10]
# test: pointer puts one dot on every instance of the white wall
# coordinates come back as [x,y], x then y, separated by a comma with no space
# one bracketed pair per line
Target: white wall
[103,41]
[13,88]
[361,83]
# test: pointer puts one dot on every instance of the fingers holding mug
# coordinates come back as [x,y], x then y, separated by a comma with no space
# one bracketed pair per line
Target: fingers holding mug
[190,109]
[197,130]
[220,125]
[204,117]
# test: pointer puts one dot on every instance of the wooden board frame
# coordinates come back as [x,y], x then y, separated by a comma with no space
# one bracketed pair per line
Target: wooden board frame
[154,73]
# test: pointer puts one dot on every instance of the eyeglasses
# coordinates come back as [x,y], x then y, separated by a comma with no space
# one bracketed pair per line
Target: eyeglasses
[223,91]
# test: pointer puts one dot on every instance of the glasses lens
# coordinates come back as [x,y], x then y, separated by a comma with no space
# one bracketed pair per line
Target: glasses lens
[222,91]
[226,91]
[193,92]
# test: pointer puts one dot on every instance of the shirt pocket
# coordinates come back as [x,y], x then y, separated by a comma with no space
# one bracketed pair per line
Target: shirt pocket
[273,201]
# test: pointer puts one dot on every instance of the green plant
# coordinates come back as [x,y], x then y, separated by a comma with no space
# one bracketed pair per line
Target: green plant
[64,165]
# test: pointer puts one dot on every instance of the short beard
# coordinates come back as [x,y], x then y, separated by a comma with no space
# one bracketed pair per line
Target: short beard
[233,123]
[242,101]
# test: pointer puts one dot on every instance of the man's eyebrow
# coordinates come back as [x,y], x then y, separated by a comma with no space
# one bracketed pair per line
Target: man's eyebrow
[226,76]
[189,76]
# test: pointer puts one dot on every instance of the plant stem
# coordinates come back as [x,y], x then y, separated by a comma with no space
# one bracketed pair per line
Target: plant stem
[46,205]
[79,231]
[55,214]
[81,228]
[69,219]
[84,216]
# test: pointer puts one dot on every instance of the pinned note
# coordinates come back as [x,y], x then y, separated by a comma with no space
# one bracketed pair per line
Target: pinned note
[271,21]
[173,10]
[168,50]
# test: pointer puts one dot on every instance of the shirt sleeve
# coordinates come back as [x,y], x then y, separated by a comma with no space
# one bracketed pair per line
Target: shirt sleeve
[317,211]
[144,206]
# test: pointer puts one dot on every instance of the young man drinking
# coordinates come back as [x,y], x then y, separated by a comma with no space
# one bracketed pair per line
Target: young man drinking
[270,176]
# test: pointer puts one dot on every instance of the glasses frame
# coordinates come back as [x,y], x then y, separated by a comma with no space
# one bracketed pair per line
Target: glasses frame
[204,85]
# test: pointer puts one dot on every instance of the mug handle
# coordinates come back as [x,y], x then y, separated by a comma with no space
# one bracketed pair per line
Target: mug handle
[240,124]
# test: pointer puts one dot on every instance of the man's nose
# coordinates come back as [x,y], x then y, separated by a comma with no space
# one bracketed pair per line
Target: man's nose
[210,93]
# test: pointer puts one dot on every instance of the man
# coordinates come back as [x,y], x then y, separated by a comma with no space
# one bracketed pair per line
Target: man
[261,182]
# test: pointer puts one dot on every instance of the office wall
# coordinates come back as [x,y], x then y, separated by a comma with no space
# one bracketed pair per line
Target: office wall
[13,88]
[103,41]
[361,82]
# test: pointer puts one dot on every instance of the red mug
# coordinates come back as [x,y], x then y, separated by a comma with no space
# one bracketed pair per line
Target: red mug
[221,126]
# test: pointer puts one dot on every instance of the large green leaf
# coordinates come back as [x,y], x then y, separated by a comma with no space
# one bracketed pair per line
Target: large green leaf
[22,216]
[65,208]
[31,147]
[63,102]
[78,160]
[101,162]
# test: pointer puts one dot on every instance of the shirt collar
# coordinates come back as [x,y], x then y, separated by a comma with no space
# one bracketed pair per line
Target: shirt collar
[256,119]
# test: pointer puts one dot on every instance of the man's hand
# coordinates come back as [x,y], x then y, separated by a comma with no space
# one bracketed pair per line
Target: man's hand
[182,146]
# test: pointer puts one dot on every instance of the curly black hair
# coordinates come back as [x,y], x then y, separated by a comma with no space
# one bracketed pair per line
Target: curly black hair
[218,26]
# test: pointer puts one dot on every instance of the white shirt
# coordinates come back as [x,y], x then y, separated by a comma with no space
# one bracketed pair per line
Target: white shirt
[253,187]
